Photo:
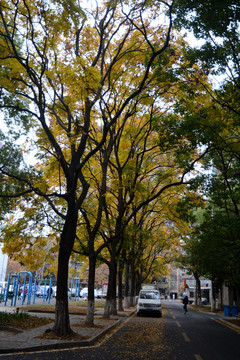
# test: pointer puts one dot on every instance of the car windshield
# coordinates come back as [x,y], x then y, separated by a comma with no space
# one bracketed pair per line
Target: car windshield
[146,294]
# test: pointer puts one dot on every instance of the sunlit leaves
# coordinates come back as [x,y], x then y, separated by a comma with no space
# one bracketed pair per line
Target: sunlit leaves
[95,87]
[24,238]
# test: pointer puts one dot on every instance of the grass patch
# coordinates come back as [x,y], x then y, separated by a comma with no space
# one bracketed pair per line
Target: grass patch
[73,306]
[51,309]
[206,308]
[83,303]
[38,308]
[22,320]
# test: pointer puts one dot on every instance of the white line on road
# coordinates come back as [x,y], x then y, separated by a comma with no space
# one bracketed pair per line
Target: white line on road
[198,357]
[186,338]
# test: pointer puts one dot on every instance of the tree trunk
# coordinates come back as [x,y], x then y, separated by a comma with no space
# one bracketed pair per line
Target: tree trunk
[126,286]
[110,305]
[132,287]
[213,297]
[198,289]
[120,290]
[138,282]
[91,281]
[113,309]
[221,297]
[62,323]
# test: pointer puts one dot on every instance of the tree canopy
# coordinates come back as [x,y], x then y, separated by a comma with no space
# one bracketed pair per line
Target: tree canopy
[64,66]
[117,110]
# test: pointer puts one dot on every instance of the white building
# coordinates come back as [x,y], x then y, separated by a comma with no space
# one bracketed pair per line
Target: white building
[3,264]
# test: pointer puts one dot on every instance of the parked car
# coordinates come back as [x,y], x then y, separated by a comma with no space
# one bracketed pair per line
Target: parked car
[101,294]
[149,301]
[54,291]
[84,293]
[204,301]
[73,292]
[40,291]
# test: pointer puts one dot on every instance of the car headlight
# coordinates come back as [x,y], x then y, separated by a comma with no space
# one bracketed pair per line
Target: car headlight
[140,304]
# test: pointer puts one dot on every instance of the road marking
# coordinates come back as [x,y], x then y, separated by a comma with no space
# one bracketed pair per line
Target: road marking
[198,357]
[174,317]
[186,338]
[178,324]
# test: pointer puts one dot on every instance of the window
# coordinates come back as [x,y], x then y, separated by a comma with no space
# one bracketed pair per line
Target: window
[154,295]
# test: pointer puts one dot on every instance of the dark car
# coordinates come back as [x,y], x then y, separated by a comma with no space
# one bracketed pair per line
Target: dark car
[204,301]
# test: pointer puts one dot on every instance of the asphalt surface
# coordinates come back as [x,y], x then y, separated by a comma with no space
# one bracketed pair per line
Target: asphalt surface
[199,335]
[177,336]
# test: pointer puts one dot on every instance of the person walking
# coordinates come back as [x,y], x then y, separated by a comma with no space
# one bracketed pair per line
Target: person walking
[185,303]
[49,293]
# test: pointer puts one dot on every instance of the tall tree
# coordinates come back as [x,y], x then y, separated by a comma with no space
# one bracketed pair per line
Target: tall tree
[219,56]
[66,68]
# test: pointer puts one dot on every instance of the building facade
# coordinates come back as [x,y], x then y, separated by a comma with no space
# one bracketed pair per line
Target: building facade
[3,264]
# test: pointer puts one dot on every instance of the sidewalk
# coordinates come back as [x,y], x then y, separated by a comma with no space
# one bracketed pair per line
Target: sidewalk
[15,340]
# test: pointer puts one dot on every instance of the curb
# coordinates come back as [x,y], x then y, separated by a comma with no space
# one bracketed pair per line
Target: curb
[228,323]
[66,345]
[219,319]
[52,312]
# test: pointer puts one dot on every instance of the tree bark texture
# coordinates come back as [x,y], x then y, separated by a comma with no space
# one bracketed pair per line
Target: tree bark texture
[133,285]
[126,286]
[91,281]
[120,290]
[198,289]
[62,322]
[111,306]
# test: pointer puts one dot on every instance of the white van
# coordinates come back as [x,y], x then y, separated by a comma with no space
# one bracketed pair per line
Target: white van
[149,300]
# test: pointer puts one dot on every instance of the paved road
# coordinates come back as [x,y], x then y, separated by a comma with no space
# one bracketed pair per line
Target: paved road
[199,336]
[195,336]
